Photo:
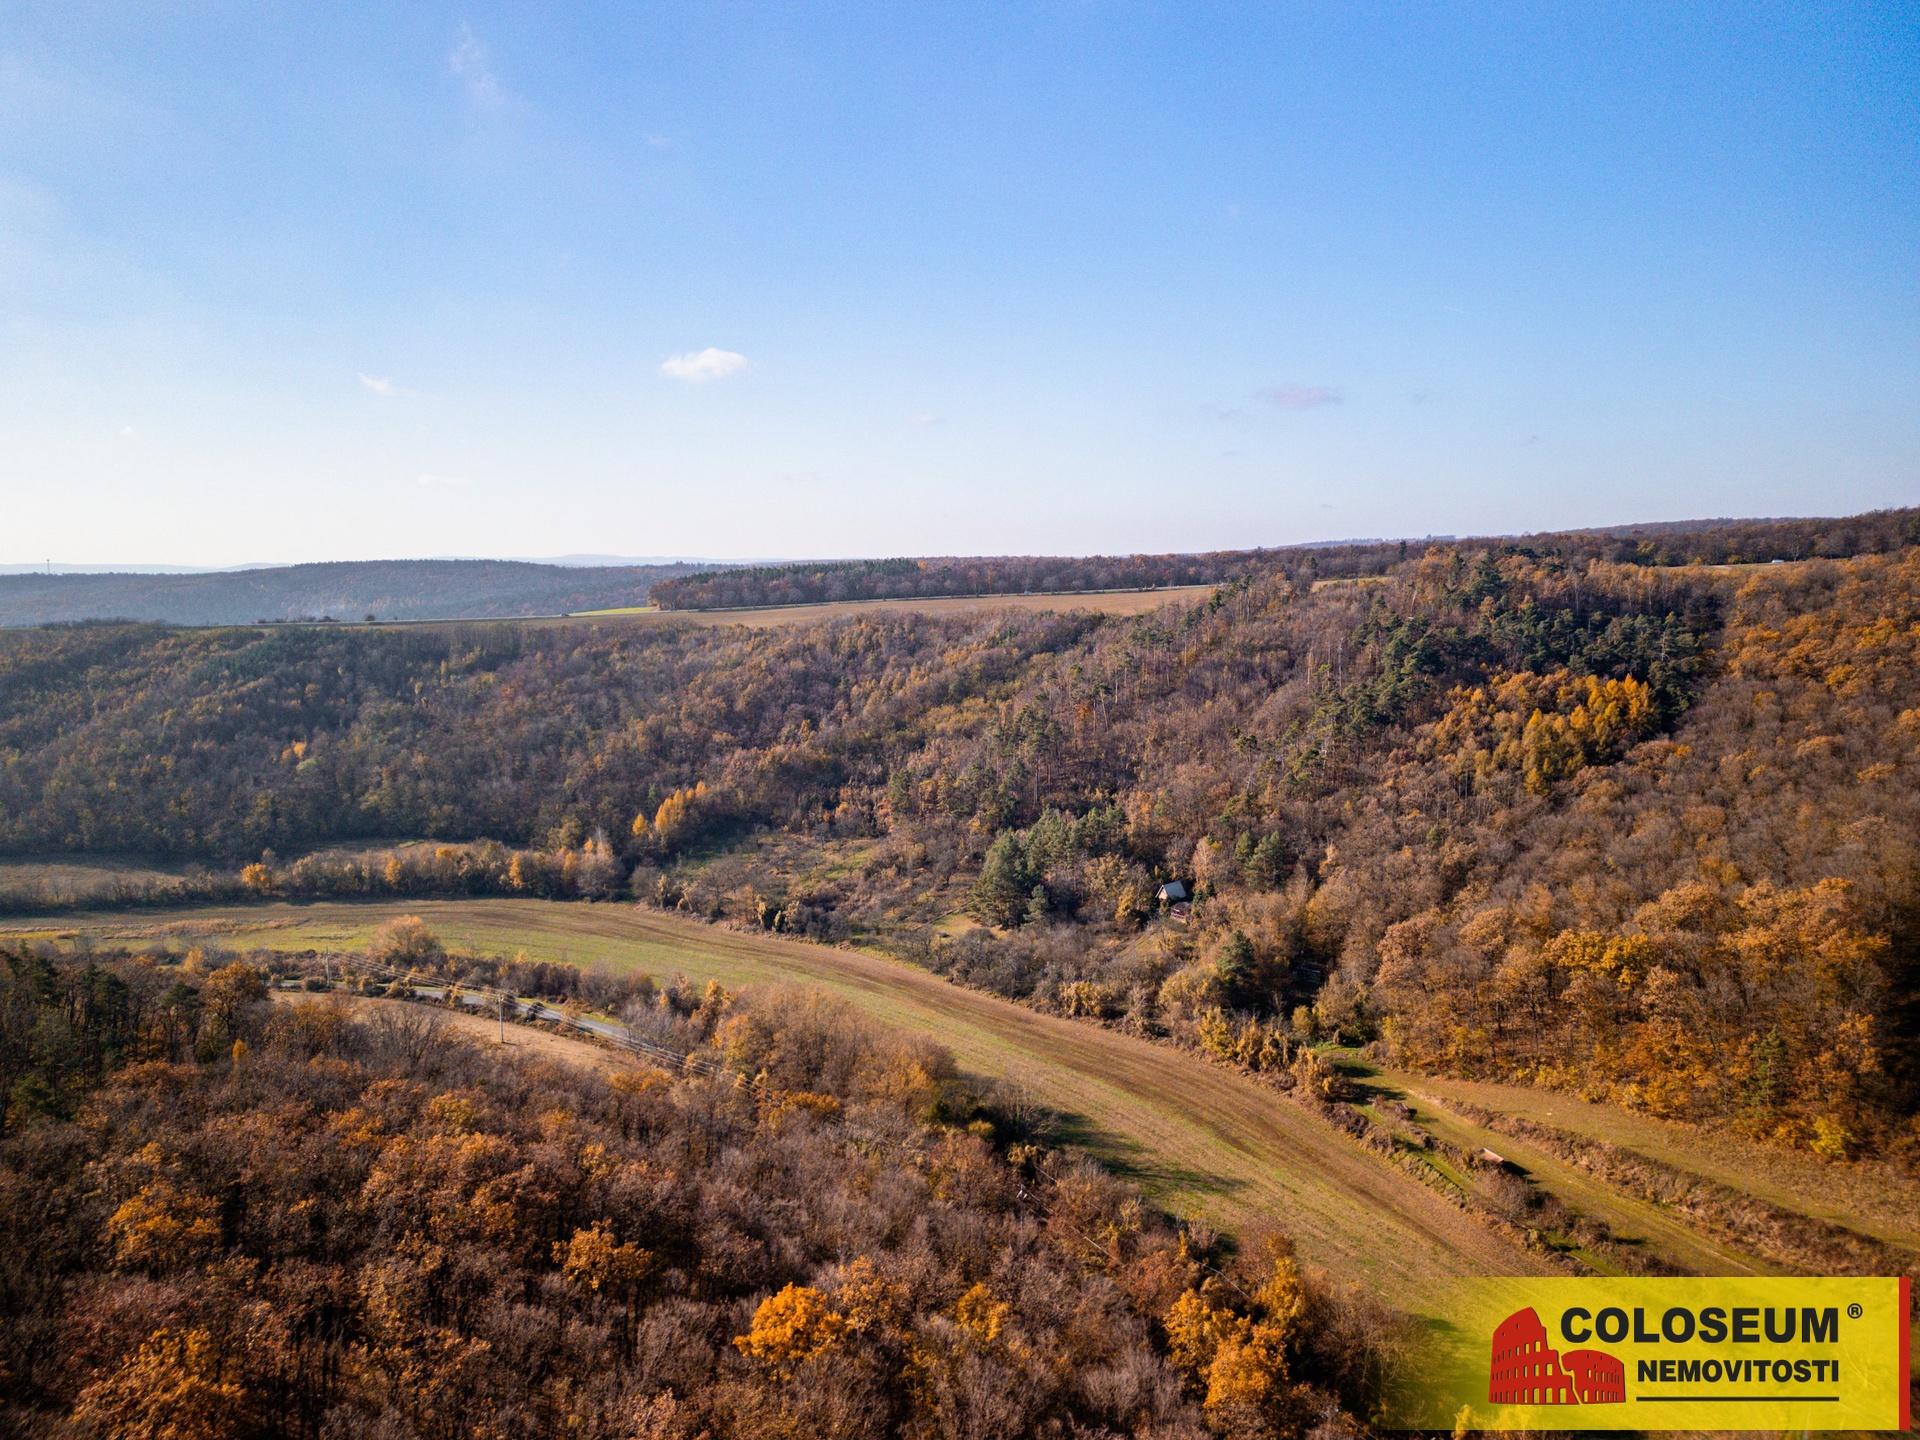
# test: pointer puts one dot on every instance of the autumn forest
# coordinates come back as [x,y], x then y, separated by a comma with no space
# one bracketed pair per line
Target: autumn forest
[1629,817]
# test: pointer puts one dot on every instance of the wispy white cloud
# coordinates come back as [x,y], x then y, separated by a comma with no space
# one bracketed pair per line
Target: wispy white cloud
[923,420]
[469,62]
[1303,397]
[378,385]
[658,142]
[700,366]
[435,482]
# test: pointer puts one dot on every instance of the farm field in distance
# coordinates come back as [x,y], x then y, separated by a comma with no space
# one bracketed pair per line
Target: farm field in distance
[1102,602]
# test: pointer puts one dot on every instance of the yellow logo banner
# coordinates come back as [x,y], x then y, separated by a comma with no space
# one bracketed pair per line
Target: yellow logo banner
[1662,1354]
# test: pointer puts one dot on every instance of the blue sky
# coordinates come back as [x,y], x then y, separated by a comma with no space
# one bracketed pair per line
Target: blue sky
[344,281]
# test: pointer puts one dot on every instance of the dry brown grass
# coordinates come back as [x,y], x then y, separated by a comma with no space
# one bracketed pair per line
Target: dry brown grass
[82,877]
[524,1040]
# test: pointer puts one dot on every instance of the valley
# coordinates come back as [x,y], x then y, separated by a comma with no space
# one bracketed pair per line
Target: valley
[1462,910]
[1201,1141]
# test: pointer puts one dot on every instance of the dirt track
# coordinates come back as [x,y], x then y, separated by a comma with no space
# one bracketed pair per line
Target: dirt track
[1201,1140]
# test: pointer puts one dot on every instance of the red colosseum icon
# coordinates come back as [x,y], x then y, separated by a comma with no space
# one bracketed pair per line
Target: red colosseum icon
[1526,1372]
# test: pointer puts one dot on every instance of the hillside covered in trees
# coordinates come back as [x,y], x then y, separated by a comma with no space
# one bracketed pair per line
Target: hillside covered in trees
[1710,542]
[918,579]
[226,1217]
[344,590]
[1641,830]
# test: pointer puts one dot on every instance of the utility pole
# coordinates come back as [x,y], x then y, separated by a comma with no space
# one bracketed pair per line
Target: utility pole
[503,1017]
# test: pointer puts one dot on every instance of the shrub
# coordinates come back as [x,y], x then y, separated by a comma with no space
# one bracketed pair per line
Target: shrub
[405,943]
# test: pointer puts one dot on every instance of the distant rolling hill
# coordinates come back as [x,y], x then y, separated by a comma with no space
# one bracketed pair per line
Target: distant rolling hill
[347,590]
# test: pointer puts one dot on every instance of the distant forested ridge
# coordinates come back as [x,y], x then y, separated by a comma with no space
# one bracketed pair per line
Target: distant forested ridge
[1646,830]
[347,590]
[1709,542]
[812,584]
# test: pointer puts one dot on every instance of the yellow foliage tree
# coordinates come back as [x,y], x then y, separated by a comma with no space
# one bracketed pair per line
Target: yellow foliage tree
[1238,1358]
[172,1389]
[1316,1075]
[677,817]
[1626,958]
[982,1316]
[1249,1368]
[1248,1042]
[1546,726]
[403,942]
[1197,1327]
[163,1228]
[790,1327]
[229,988]
[596,1259]
[869,1301]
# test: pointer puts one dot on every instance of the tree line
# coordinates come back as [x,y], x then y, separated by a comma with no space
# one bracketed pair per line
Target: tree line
[1698,543]
[918,579]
